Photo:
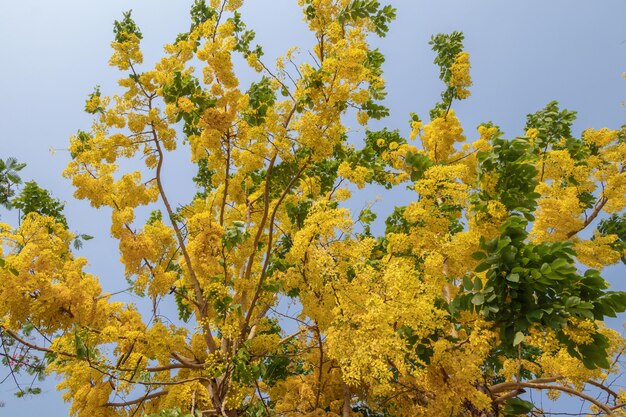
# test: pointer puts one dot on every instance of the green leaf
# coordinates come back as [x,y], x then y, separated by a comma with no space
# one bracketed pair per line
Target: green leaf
[512,277]
[467,283]
[478,284]
[81,349]
[534,315]
[482,267]
[519,338]
[517,407]
[572,301]
[261,97]
[478,255]
[478,299]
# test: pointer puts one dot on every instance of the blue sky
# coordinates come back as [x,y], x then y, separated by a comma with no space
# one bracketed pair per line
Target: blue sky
[524,54]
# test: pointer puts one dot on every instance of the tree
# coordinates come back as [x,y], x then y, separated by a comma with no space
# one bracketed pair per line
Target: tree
[474,295]
[9,179]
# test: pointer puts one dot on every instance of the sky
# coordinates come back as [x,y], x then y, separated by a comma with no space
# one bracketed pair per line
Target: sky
[523,53]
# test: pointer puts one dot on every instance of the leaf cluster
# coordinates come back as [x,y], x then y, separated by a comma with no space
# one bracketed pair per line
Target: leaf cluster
[34,199]
[530,284]
[9,179]
[446,47]
[370,9]
[126,27]
[615,225]
[517,176]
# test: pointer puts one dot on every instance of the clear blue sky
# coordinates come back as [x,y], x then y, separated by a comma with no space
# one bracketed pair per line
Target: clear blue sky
[524,54]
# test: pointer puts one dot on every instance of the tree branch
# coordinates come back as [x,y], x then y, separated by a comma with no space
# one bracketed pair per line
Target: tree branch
[541,386]
[138,400]
[208,336]
[596,210]
[259,287]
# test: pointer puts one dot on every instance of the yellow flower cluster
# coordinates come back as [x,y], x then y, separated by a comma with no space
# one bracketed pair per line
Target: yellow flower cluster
[440,135]
[126,53]
[558,213]
[358,175]
[455,371]
[532,133]
[460,77]
[600,138]
[416,128]
[93,103]
[580,331]
[442,184]
[615,192]
[597,252]
[185,104]
[486,135]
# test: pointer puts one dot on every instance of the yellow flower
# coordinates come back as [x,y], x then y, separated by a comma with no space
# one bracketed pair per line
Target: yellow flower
[362,118]
[185,104]
[126,53]
[416,127]
[440,135]
[597,252]
[460,75]
[343,194]
[532,133]
[600,138]
[253,61]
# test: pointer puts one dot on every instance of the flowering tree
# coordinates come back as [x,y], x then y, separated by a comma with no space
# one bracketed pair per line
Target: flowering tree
[475,294]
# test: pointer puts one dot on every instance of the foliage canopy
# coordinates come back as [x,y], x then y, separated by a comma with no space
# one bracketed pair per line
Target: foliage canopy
[480,289]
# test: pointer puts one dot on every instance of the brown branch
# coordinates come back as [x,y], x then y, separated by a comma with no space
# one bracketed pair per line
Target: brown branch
[184,362]
[148,383]
[226,182]
[208,336]
[288,338]
[259,233]
[445,116]
[277,79]
[462,157]
[219,18]
[138,400]
[258,388]
[507,386]
[567,390]
[33,346]
[259,287]
[321,365]
[187,362]
[603,387]
[508,396]
[289,116]
[136,78]
[596,210]
[346,410]
[11,367]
